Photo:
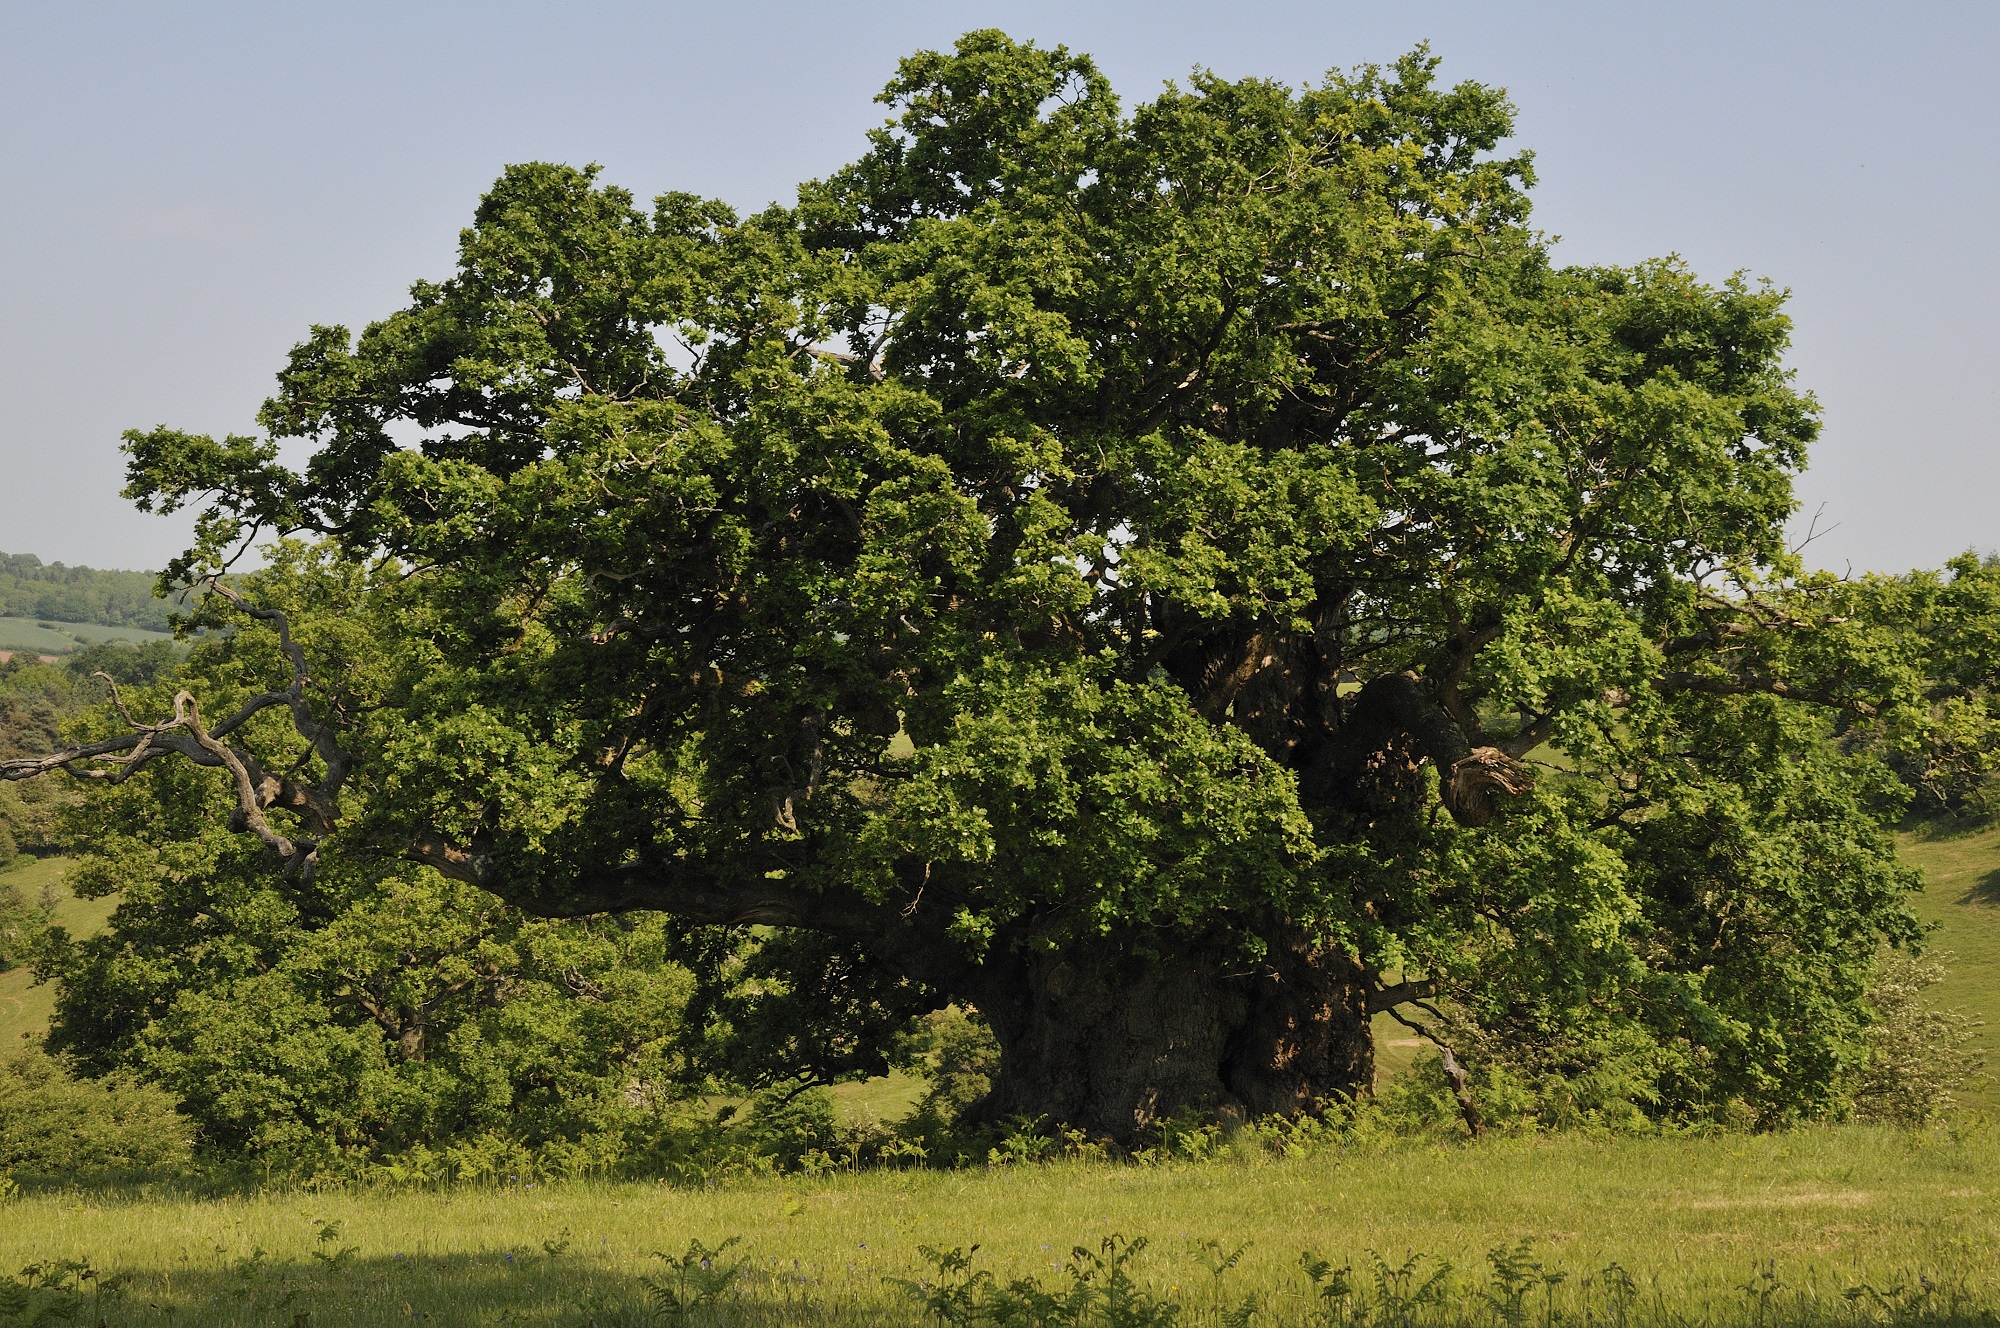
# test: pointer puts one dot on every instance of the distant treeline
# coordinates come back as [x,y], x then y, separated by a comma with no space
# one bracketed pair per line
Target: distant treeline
[30,588]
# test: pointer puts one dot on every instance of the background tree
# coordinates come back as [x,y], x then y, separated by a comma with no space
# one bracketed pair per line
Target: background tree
[30,588]
[1177,582]
[1940,629]
[36,700]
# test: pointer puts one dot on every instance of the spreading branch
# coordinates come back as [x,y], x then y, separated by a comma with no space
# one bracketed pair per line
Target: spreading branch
[1388,998]
[1750,684]
[316,803]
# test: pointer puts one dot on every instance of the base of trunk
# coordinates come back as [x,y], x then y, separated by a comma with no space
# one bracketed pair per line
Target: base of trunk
[1113,1039]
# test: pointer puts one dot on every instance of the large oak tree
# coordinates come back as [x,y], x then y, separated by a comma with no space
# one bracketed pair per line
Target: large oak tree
[1178,581]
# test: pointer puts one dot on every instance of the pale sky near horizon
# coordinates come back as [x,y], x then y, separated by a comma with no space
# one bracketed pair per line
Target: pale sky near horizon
[191,186]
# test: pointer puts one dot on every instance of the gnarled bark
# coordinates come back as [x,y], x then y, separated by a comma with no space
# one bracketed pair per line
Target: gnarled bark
[1374,761]
[1117,1034]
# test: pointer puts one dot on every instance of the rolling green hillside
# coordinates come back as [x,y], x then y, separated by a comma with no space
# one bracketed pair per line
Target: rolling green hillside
[50,637]
[24,1007]
[51,609]
[1962,898]
[35,590]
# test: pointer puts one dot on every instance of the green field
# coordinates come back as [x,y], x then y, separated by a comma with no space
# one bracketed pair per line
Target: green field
[1962,899]
[24,1007]
[58,638]
[1802,1216]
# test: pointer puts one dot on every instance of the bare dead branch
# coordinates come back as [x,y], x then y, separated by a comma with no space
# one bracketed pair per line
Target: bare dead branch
[186,734]
[1453,1071]
[249,796]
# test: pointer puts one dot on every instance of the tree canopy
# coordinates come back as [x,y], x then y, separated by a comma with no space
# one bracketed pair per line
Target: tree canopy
[1178,580]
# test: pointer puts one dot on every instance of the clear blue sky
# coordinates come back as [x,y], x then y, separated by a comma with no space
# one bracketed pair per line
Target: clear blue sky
[189,186]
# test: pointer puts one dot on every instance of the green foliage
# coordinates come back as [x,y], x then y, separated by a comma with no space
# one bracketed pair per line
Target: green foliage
[409,1014]
[20,922]
[30,588]
[692,1284]
[60,1291]
[378,1015]
[788,1008]
[953,1051]
[1738,920]
[1100,1290]
[36,701]
[1942,631]
[1146,532]
[55,1127]
[1418,1288]
[124,662]
[384,1021]
[1961,867]
[1918,1057]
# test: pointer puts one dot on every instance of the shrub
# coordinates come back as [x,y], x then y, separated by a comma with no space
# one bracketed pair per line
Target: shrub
[956,1053]
[1918,1057]
[55,1127]
[17,919]
[362,1019]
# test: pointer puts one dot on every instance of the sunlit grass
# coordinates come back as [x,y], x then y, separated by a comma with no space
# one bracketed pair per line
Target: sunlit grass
[1694,1220]
[60,637]
[1962,897]
[25,1007]
[878,1101]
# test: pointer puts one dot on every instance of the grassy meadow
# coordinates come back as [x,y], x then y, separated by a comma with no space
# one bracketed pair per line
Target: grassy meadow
[1835,1224]
[1746,1229]
[1961,900]
[59,638]
[25,1007]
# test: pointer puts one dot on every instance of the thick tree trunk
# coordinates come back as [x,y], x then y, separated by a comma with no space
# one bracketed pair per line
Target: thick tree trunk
[1113,1037]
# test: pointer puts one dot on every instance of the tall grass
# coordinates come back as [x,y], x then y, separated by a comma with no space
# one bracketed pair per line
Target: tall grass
[1827,1225]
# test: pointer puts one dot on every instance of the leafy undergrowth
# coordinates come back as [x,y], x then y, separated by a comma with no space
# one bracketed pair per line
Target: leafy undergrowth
[1829,1225]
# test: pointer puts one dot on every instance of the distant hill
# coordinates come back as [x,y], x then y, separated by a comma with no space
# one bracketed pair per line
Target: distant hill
[37,591]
